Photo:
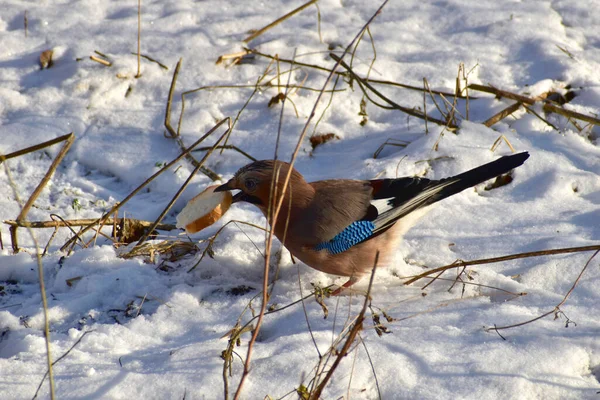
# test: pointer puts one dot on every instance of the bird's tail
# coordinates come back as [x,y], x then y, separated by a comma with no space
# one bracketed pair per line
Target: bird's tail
[477,175]
[402,196]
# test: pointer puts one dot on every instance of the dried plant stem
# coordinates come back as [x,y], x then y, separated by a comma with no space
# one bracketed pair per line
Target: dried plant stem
[279,20]
[374,81]
[499,140]
[229,147]
[557,307]
[68,141]
[175,135]
[532,111]
[394,105]
[548,105]
[353,332]
[50,371]
[285,96]
[106,63]
[502,93]
[146,182]
[60,358]
[163,66]
[170,100]
[279,202]
[84,222]
[494,119]
[139,39]
[428,89]
[540,253]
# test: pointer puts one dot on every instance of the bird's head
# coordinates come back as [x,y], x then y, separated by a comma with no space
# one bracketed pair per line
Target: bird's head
[254,181]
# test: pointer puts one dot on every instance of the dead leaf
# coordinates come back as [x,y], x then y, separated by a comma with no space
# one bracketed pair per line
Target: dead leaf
[320,139]
[46,59]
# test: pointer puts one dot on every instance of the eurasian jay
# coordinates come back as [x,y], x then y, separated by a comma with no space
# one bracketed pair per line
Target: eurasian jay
[338,226]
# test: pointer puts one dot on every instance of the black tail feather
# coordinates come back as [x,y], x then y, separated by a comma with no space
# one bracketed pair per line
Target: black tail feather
[478,175]
[410,194]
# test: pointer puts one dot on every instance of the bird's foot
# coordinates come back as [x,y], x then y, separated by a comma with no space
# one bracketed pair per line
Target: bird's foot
[345,286]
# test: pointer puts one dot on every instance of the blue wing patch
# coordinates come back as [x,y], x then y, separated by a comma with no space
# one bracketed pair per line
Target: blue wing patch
[355,233]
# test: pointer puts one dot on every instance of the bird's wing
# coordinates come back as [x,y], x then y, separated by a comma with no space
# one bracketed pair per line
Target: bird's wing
[392,199]
[336,205]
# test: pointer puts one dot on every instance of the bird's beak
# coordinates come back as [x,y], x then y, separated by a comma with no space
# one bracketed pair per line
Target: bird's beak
[224,187]
[229,186]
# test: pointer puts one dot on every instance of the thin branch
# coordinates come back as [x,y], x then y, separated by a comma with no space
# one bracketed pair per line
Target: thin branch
[375,81]
[41,286]
[556,308]
[229,147]
[278,21]
[139,39]
[163,66]
[356,328]
[175,135]
[68,141]
[60,358]
[396,106]
[494,119]
[459,264]
[85,222]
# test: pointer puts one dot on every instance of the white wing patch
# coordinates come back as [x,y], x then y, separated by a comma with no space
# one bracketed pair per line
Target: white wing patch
[388,214]
[382,205]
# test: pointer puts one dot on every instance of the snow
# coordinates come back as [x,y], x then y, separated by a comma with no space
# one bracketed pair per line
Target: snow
[157,333]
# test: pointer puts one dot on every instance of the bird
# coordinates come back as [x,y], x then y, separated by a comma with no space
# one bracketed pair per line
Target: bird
[344,226]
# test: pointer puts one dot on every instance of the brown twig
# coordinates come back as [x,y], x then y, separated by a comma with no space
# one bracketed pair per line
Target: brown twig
[42,287]
[494,119]
[25,23]
[556,309]
[356,328]
[163,66]
[229,147]
[394,105]
[139,39]
[374,81]
[175,135]
[60,358]
[68,141]
[502,93]
[106,63]
[499,140]
[390,142]
[428,90]
[278,21]
[544,120]
[540,253]
[84,222]
[549,107]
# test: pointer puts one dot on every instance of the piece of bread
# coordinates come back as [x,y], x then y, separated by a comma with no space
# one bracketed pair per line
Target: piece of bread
[204,210]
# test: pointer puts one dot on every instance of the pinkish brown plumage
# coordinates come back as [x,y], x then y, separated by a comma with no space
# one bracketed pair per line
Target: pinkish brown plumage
[338,226]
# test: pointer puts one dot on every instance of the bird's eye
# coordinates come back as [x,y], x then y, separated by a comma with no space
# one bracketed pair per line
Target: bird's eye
[250,184]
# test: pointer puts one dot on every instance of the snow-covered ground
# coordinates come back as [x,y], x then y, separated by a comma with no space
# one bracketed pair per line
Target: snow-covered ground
[157,333]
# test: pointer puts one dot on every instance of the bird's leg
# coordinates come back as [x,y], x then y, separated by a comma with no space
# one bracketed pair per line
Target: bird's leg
[346,285]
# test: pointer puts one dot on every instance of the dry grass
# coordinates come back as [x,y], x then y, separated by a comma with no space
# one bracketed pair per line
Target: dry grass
[447,105]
